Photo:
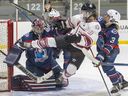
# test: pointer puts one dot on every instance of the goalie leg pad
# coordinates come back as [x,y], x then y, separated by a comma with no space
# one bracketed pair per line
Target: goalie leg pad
[18,83]
[23,83]
[13,56]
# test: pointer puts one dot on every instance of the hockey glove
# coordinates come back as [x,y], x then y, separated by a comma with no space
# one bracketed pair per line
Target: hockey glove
[64,40]
[75,38]
[100,58]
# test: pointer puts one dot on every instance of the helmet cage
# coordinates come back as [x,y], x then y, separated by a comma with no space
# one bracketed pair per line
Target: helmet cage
[38,26]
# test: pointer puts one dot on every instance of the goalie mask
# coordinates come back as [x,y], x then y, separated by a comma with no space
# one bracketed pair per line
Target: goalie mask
[38,26]
[88,9]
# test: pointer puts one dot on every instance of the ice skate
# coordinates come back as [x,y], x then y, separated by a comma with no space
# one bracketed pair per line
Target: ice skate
[124,84]
[115,89]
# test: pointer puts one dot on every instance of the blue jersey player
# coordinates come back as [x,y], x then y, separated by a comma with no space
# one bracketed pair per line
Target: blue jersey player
[108,48]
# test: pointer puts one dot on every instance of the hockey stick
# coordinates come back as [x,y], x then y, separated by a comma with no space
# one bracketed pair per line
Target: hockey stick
[24,14]
[102,76]
[21,8]
[31,75]
[112,64]
[85,51]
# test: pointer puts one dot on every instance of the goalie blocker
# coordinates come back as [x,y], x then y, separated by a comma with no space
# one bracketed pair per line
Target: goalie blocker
[13,56]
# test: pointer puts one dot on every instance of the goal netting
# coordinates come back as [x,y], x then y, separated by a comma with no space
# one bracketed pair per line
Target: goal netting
[6,41]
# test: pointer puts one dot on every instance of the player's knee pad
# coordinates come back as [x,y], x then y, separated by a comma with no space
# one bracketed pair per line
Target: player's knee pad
[71,70]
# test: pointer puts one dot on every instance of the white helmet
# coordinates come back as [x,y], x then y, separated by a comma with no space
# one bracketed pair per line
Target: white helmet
[54,13]
[114,15]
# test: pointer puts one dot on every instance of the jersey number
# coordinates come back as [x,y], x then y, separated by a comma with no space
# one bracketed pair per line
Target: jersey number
[113,40]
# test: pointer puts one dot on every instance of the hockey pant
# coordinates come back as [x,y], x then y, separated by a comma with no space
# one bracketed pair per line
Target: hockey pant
[77,58]
[77,55]
[114,76]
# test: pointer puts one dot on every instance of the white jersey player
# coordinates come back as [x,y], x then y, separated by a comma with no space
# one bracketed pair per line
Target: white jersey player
[86,10]
[81,39]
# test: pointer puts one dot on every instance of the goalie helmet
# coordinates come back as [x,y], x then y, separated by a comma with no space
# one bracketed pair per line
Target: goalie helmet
[38,26]
[114,15]
[88,9]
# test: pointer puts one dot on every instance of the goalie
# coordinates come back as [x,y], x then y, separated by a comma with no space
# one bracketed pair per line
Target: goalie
[39,60]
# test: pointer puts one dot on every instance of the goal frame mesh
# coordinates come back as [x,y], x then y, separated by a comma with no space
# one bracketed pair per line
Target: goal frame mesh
[9,45]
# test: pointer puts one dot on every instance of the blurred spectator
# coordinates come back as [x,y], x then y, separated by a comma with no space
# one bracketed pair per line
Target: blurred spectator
[49,11]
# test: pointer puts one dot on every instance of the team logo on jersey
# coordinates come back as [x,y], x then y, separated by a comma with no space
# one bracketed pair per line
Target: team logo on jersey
[40,55]
[114,31]
[73,60]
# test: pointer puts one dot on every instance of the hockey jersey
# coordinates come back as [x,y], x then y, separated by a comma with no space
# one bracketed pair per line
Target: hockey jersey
[110,36]
[74,21]
[39,57]
[89,33]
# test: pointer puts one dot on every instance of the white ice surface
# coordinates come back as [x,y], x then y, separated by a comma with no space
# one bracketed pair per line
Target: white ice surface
[86,82]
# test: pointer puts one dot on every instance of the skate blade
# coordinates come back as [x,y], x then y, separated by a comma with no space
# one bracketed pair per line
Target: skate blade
[116,94]
[124,92]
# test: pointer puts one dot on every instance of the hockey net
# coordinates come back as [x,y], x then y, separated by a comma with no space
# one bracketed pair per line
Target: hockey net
[6,41]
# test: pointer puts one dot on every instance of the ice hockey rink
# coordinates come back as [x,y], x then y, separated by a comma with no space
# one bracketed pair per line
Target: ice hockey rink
[86,82]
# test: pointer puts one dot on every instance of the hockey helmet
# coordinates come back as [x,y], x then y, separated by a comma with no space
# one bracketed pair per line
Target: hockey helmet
[114,15]
[38,26]
[54,14]
[88,9]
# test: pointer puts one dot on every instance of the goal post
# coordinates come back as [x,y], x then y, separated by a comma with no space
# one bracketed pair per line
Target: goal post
[6,41]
